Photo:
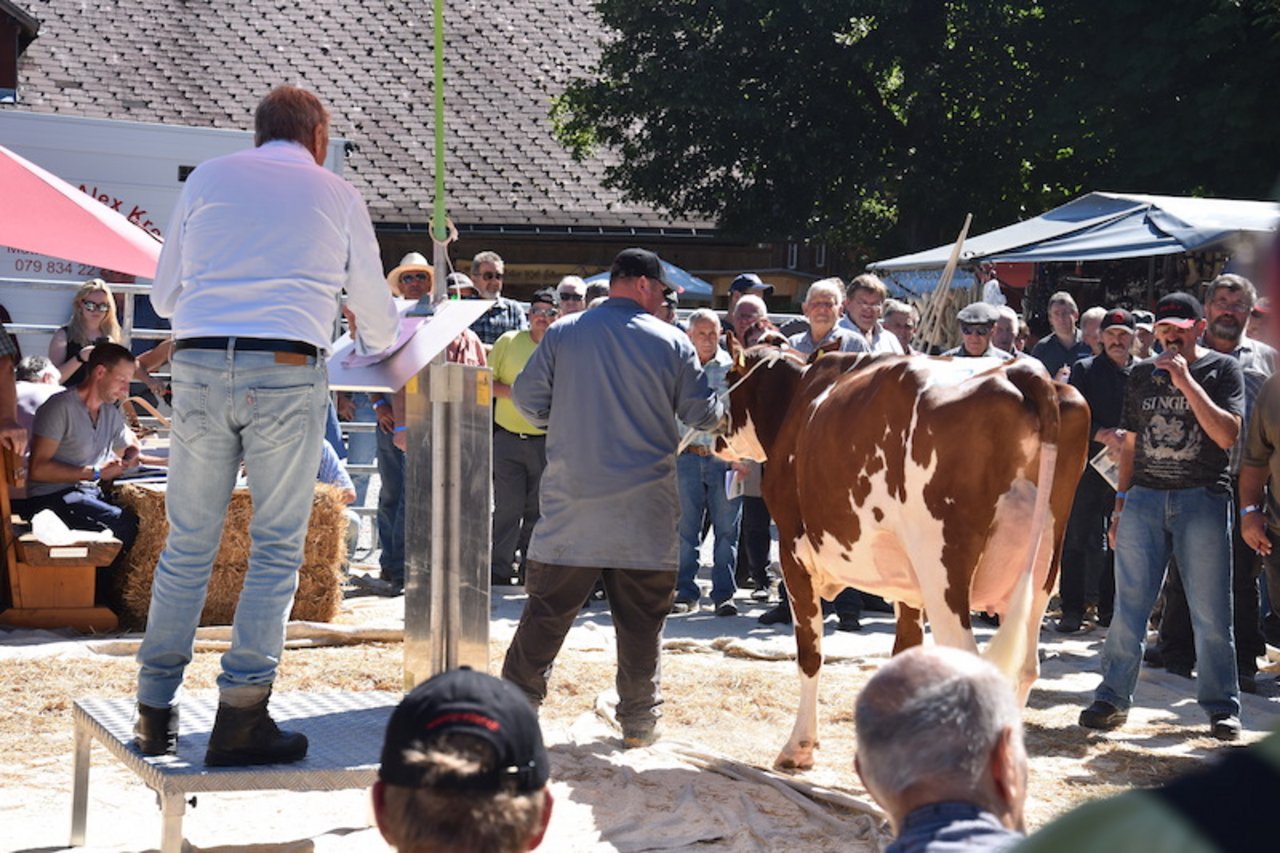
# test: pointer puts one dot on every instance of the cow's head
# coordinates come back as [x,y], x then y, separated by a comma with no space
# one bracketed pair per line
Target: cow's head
[760,386]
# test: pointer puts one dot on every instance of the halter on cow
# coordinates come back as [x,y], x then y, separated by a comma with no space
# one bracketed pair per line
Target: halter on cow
[918,479]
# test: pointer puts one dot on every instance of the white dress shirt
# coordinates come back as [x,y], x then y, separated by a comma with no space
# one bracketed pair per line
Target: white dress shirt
[261,245]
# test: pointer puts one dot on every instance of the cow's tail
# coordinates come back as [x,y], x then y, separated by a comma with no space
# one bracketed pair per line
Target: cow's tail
[1007,650]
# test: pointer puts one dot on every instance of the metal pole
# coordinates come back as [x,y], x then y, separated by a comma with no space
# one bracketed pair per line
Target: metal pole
[439,229]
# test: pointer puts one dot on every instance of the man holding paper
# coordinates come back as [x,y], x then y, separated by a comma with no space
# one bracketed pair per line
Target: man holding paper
[1086,561]
[703,481]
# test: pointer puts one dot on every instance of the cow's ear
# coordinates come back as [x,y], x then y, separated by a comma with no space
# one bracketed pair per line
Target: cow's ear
[830,346]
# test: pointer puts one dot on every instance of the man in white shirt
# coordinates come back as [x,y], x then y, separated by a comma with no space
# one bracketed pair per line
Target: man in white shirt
[261,245]
[862,316]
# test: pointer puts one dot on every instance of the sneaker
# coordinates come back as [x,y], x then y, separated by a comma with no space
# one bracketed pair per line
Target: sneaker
[1248,683]
[1179,669]
[639,738]
[1068,624]
[849,623]
[1103,715]
[779,614]
[1153,657]
[726,608]
[1224,726]
[760,593]
[683,605]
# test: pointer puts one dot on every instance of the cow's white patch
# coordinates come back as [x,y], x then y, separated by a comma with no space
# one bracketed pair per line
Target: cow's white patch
[744,442]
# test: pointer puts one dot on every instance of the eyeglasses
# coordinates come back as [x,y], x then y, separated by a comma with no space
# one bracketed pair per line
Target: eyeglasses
[94,307]
[491,276]
[1233,307]
[412,276]
[966,329]
[543,312]
[570,297]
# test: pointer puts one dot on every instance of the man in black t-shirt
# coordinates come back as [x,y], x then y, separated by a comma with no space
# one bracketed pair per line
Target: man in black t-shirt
[1182,413]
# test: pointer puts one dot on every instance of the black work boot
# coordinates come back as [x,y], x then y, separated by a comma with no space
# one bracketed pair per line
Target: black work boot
[248,735]
[156,730]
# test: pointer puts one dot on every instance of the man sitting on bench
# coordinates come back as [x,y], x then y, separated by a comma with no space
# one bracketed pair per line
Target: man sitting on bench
[78,442]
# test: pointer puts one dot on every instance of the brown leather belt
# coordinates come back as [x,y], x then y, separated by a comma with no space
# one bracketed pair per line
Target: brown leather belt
[698,450]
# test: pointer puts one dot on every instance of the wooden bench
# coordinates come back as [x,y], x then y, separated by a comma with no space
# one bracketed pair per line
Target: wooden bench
[49,587]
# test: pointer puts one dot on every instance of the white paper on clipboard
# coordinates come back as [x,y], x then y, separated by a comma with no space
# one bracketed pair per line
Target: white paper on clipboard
[733,484]
[1107,468]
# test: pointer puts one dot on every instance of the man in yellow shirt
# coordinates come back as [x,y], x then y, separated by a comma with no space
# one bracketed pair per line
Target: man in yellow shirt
[519,448]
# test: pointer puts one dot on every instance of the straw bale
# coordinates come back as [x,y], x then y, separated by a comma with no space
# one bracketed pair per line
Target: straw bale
[319,583]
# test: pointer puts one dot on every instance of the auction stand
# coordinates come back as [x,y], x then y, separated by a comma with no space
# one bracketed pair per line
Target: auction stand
[448,514]
[344,729]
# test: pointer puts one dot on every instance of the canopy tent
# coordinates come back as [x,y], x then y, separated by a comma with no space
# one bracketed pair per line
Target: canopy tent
[1107,226]
[45,214]
[692,285]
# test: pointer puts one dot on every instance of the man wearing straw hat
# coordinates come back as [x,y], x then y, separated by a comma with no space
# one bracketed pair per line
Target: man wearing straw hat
[261,245]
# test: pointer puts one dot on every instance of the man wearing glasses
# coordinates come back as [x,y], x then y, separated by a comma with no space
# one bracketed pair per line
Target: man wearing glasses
[572,291]
[519,447]
[976,322]
[862,317]
[505,315]
[607,385]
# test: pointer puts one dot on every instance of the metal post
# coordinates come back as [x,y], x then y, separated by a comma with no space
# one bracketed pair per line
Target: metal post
[80,784]
[448,512]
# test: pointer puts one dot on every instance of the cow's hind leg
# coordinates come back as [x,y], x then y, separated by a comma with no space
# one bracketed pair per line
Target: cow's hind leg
[806,609]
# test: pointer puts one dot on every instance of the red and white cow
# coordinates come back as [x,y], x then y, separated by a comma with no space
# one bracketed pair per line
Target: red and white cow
[942,484]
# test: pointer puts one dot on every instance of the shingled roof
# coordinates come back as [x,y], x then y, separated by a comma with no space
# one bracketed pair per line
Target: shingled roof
[206,64]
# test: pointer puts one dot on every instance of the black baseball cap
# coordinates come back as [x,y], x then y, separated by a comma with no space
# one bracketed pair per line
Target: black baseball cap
[1181,309]
[641,262]
[749,282]
[477,704]
[1118,317]
[547,295]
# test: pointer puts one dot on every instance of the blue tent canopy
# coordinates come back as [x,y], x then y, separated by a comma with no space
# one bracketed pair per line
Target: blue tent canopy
[1107,226]
[693,286]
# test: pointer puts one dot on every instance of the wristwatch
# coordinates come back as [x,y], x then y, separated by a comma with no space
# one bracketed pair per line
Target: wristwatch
[97,473]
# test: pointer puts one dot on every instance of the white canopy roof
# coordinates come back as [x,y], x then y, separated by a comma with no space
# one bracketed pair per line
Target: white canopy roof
[1105,226]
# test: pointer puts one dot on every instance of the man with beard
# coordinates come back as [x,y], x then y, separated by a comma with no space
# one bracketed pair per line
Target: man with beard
[1086,561]
[1182,413]
[1228,301]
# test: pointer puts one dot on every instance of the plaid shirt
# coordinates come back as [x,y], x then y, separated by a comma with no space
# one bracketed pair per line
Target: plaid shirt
[505,316]
[7,346]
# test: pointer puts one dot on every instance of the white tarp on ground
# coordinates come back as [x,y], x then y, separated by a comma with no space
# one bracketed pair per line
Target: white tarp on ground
[1106,226]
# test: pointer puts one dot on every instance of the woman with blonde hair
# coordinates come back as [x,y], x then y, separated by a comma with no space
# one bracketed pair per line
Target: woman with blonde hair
[93,321]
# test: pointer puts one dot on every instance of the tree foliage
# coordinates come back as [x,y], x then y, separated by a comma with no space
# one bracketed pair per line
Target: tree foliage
[877,124]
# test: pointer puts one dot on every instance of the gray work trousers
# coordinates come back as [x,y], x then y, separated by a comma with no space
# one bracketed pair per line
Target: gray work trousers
[639,600]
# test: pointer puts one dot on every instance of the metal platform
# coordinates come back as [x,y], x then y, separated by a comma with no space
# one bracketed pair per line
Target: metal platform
[345,732]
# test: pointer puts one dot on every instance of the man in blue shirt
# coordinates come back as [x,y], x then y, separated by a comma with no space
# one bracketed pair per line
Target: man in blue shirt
[940,749]
[1065,345]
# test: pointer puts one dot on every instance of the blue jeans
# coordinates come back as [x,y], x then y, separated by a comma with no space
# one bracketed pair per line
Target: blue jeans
[228,407]
[390,507]
[701,482]
[1193,525]
[362,447]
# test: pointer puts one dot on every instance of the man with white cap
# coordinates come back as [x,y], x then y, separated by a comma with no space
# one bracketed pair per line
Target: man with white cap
[976,322]
[1182,413]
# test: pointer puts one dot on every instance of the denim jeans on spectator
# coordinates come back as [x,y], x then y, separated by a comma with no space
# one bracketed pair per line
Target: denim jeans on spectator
[1193,525]
[701,483]
[390,507]
[228,407]
[362,447]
